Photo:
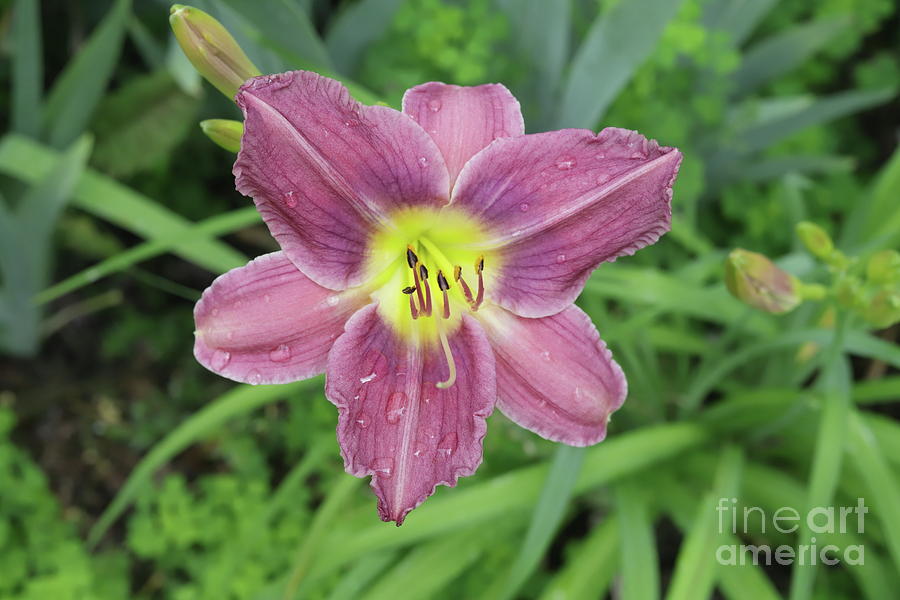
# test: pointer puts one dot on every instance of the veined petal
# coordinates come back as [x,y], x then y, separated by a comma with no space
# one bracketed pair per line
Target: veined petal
[324,170]
[267,322]
[555,376]
[562,202]
[394,423]
[463,120]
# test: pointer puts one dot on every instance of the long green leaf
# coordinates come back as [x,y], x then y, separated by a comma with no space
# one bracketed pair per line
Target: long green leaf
[639,558]
[618,42]
[78,90]
[239,401]
[784,51]
[588,570]
[547,516]
[886,389]
[357,27]
[737,18]
[27,69]
[122,206]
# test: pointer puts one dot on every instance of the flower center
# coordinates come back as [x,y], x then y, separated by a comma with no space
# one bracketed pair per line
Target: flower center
[427,269]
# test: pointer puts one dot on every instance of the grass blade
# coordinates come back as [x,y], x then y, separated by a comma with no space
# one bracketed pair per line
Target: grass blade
[547,516]
[618,42]
[737,18]
[27,68]
[639,559]
[355,28]
[590,569]
[78,90]
[122,206]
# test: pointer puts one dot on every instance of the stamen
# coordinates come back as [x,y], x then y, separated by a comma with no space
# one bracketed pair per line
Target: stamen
[408,290]
[412,259]
[412,303]
[426,308]
[451,364]
[457,276]
[479,267]
[444,285]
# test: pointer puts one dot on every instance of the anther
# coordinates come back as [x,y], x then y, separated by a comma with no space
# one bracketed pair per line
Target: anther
[408,290]
[423,272]
[444,285]
[411,258]
[457,276]
[479,298]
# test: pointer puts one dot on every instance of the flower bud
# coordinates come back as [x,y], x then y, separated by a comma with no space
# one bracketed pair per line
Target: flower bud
[755,280]
[816,240]
[211,49]
[884,267]
[884,309]
[224,132]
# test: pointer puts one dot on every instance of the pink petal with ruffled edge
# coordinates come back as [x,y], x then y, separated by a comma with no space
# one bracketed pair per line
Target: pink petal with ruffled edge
[324,170]
[267,322]
[562,202]
[394,423]
[463,120]
[555,375]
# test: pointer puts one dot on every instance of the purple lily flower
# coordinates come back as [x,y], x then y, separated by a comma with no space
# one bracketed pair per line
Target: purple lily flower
[430,260]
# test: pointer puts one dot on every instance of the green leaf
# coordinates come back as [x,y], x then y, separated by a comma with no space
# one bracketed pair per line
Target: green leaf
[589,569]
[212,227]
[618,42]
[864,344]
[79,88]
[886,389]
[367,568]
[779,166]
[639,559]
[816,112]
[27,68]
[875,224]
[545,521]
[737,18]
[540,33]
[239,401]
[355,28]
[784,51]
[141,123]
[122,206]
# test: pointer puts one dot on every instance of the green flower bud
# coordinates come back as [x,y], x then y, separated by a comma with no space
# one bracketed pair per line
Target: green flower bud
[884,267]
[755,280]
[211,49]
[224,132]
[884,309]
[816,240]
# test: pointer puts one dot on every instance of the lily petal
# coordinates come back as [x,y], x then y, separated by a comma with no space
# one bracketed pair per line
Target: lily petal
[324,170]
[394,423]
[267,322]
[463,120]
[562,202]
[555,376]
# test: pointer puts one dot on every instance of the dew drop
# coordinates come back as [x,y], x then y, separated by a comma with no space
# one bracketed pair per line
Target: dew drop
[447,445]
[601,156]
[434,105]
[220,358]
[362,419]
[383,466]
[280,354]
[565,163]
[267,298]
[254,377]
[523,207]
[545,355]
[215,312]
[560,258]
[420,449]
[332,300]
[423,162]
[396,406]
[368,377]
[290,199]
[602,178]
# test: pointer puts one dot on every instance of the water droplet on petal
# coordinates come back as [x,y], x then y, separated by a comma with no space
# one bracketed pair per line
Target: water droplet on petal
[420,449]
[254,377]
[362,419]
[601,156]
[332,300]
[220,358]
[423,162]
[395,407]
[280,354]
[560,258]
[434,105]
[383,466]
[215,312]
[447,445]
[545,355]
[290,199]
[565,163]
[602,178]
[368,377]
[523,207]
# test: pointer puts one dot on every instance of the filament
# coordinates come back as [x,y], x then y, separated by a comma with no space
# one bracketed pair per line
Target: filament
[451,364]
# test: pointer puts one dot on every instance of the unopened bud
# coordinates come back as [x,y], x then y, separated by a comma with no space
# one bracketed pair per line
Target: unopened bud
[884,267]
[211,49]
[755,280]
[224,132]
[884,309]
[816,240]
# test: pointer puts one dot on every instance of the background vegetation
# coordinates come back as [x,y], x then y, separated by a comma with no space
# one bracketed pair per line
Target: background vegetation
[127,470]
